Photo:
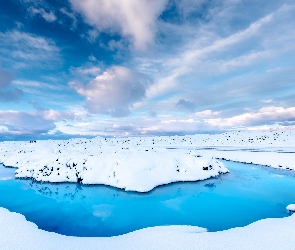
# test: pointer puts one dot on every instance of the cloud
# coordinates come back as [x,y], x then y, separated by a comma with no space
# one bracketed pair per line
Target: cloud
[71,16]
[92,58]
[23,50]
[113,92]
[186,105]
[24,123]
[135,20]
[7,93]
[207,113]
[84,70]
[48,16]
[213,47]
[268,101]
[37,106]
[52,115]
[21,123]
[264,116]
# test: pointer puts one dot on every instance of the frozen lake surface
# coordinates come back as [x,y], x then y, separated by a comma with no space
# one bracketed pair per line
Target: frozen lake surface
[246,194]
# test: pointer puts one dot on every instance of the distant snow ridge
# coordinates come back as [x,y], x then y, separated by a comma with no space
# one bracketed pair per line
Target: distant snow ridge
[119,163]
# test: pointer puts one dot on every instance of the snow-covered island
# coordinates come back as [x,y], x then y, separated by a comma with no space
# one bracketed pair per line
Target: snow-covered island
[127,163]
[142,163]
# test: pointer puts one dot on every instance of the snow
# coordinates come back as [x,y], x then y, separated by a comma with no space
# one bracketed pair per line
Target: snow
[115,162]
[17,233]
[142,163]
[291,207]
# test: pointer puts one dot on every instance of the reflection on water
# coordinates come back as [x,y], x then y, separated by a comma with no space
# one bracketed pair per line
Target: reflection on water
[236,199]
[6,173]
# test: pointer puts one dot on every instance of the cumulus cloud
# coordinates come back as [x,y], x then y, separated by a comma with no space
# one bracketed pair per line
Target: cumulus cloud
[113,92]
[132,19]
[265,115]
[7,93]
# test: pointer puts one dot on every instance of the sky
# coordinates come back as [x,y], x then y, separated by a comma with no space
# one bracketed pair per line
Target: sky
[71,68]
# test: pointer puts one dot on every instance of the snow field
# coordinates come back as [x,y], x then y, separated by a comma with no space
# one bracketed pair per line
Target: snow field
[142,163]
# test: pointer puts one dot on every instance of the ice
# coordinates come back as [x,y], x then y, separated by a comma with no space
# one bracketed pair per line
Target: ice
[142,163]
[291,207]
[123,163]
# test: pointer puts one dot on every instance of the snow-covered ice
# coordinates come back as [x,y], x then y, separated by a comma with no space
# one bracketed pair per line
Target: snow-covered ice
[17,233]
[142,163]
[122,163]
[291,207]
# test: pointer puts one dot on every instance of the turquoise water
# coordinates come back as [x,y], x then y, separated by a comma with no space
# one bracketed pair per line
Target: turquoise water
[245,195]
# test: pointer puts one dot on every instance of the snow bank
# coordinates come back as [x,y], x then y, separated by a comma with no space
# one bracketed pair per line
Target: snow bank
[17,233]
[291,207]
[123,164]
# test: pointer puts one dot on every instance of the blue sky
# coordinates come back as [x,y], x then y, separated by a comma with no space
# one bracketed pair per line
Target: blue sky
[145,67]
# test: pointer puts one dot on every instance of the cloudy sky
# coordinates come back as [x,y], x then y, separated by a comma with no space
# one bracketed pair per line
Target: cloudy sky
[145,67]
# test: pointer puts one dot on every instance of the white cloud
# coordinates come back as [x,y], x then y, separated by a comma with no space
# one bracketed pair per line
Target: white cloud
[48,16]
[265,115]
[92,58]
[18,123]
[267,101]
[187,125]
[27,50]
[113,92]
[207,113]
[134,19]
[209,51]
[84,70]
[54,115]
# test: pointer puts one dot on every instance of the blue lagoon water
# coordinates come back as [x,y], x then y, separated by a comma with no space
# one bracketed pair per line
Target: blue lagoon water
[245,195]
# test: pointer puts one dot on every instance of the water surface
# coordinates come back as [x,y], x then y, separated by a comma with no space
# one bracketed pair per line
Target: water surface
[245,195]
